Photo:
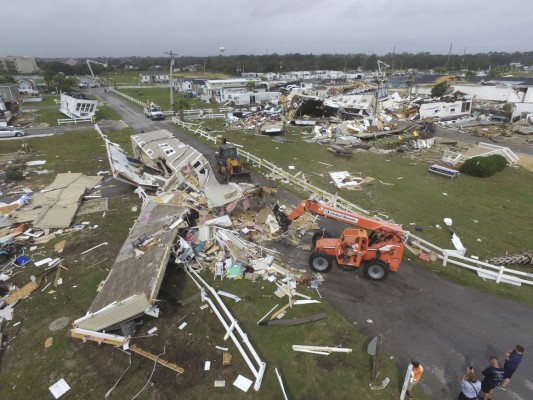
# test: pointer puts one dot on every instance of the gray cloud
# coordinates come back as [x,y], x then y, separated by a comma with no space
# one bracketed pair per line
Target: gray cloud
[59,28]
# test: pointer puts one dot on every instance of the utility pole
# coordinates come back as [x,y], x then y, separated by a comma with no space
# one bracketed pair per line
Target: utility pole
[463,59]
[171,54]
[449,53]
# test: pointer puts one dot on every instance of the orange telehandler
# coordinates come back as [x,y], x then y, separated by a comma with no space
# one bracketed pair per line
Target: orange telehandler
[378,253]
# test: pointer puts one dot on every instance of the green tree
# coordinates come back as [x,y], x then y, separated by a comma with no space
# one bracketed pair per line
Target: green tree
[250,85]
[7,79]
[63,83]
[440,89]
[49,78]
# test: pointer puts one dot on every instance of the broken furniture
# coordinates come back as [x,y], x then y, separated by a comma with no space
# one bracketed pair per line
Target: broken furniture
[443,171]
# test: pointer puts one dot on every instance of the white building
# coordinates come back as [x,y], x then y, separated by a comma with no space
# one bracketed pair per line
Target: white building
[183,86]
[445,110]
[253,98]
[154,78]
[521,96]
[27,86]
[18,65]
[77,105]
[220,88]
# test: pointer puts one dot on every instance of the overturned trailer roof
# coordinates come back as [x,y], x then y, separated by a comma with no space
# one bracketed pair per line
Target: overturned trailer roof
[127,169]
[132,285]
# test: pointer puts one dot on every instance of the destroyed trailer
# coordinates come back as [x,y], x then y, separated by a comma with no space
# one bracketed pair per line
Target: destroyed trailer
[378,253]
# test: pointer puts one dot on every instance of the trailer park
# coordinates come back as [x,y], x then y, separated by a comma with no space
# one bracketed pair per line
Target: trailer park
[135,266]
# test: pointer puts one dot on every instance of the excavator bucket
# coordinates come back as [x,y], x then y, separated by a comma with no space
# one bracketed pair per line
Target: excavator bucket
[241,177]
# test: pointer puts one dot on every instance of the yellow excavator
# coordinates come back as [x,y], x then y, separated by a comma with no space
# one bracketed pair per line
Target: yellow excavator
[229,164]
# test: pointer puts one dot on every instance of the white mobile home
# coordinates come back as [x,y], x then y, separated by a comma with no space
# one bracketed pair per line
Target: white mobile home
[77,105]
[446,110]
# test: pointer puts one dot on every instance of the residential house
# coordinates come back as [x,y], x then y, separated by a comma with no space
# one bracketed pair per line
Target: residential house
[153,77]
[18,65]
[183,166]
[183,86]
[27,86]
[220,89]
[77,105]
[445,110]
[10,100]
[247,98]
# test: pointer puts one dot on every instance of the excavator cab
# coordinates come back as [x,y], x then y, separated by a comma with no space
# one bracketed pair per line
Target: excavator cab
[229,164]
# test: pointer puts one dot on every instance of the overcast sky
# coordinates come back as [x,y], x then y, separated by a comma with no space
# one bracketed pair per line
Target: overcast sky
[120,28]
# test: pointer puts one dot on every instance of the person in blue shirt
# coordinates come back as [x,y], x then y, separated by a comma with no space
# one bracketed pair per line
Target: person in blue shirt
[513,358]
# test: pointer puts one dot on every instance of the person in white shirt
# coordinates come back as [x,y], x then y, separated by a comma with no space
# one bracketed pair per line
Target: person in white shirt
[470,386]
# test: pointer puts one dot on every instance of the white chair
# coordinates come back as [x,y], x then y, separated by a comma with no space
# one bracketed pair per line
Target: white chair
[219,270]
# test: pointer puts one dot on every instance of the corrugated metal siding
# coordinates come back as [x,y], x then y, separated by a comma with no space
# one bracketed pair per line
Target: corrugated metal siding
[112,315]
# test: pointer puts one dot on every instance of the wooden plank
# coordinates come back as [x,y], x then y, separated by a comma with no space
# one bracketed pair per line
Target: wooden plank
[295,321]
[99,337]
[22,293]
[282,309]
[153,357]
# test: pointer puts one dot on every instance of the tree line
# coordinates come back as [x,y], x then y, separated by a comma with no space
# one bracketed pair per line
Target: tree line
[236,64]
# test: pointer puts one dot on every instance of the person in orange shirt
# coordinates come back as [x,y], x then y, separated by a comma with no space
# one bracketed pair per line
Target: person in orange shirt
[416,374]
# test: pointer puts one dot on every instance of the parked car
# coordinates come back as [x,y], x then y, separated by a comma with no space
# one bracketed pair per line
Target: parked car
[95,85]
[499,118]
[9,131]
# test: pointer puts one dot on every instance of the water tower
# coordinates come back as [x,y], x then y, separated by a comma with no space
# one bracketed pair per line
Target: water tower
[222,49]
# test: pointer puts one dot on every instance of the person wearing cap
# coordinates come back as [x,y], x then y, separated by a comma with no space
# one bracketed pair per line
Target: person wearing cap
[513,358]
[416,374]
[470,386]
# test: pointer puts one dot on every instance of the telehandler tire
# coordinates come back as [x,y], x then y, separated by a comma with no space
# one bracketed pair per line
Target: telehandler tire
[320,262]
[322,233]
[376,270]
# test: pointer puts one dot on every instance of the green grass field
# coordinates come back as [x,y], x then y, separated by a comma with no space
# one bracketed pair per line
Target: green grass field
[132,77]
[50,116]
[161,96]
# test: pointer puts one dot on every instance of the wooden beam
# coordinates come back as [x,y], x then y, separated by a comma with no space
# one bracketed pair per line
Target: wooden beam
[282,309]
[153,357]
[98,337]
[295,321]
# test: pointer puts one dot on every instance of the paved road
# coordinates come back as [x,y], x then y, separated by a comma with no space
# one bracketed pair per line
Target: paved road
[446,326]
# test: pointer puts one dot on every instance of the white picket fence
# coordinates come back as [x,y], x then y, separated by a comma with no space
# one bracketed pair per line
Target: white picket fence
[124,95]
[500,274]
[76,121]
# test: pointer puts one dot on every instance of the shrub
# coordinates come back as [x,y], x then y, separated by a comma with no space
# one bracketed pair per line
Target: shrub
[483,167]
[14,174]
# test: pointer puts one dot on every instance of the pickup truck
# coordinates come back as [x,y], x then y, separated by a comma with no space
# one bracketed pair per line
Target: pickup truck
[154,112]
[83,85]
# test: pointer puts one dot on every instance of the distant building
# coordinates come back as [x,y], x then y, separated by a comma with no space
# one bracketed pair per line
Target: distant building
[219,89]
[27,86]
[18,65]
[154,78]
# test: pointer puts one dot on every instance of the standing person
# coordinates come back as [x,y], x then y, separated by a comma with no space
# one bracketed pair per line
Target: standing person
[470,386]
[513,358]
[492,377]
[416,374]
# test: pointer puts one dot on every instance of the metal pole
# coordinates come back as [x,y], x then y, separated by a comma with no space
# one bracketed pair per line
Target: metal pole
[171,54]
